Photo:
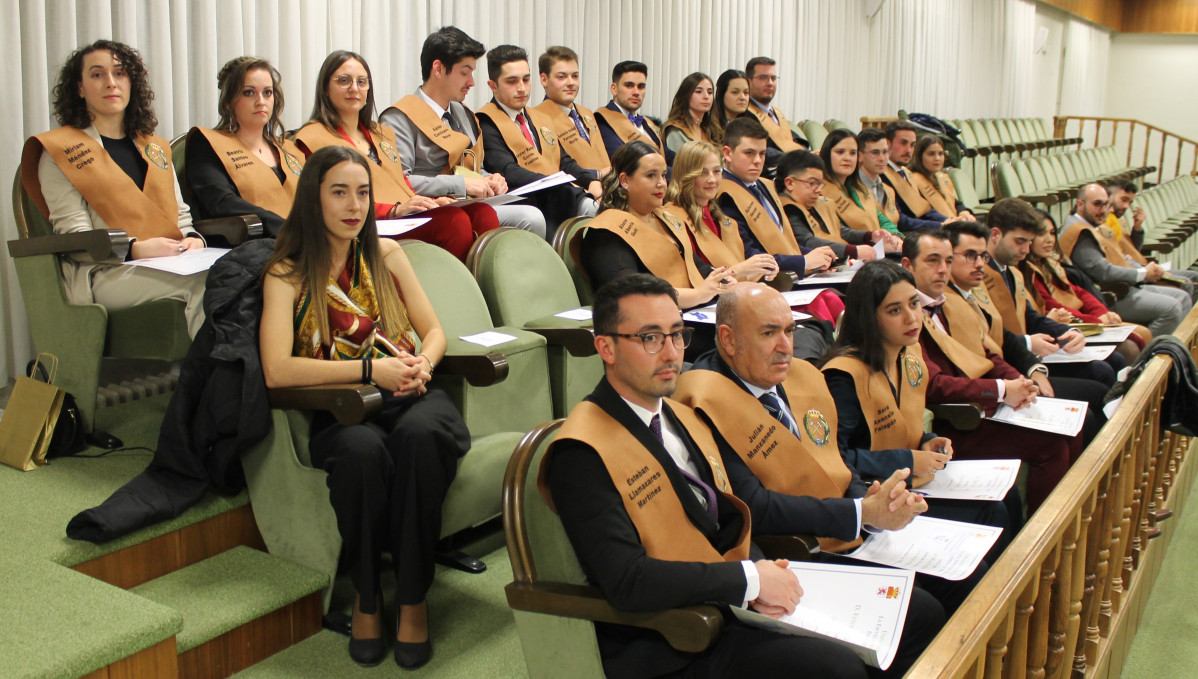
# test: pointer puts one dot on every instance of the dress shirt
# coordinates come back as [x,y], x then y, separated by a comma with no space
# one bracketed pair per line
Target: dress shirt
[929,305]
[875,187]
[677,450]
[767,109]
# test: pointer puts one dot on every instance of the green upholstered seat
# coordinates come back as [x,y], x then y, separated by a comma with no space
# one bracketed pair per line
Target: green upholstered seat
[965,191]
[815,134]
[525,283]
[562,242]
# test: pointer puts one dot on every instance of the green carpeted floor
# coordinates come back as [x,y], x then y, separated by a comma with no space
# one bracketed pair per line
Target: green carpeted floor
[1166,643]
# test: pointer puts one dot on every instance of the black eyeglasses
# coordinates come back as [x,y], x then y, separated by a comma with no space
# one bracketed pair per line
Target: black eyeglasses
[971,256]
[654,342]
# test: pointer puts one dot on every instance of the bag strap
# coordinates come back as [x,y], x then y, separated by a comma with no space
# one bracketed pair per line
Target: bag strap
[49,377]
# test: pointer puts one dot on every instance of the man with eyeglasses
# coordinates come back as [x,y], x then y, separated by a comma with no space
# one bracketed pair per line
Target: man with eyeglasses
[959,373]
[873,156]
[982,328]
[800,183]
[645,501]
[763,84]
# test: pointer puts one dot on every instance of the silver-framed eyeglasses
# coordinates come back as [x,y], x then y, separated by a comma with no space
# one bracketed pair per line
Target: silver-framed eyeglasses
[344,81]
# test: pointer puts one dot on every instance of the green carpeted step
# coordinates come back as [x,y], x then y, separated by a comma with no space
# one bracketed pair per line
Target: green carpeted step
[228,590]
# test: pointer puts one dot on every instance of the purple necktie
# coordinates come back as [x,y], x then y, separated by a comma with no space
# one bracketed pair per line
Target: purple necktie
[696,483]
[637,119]
[582,129]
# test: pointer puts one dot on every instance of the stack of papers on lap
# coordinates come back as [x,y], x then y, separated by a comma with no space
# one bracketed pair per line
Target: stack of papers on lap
[1112,335]
[972,480]
[859,607]
[1087,354]
[945,549]
[802,297]
[389,228]
[1054,415]
[554,179]
[707,315]
[185,263]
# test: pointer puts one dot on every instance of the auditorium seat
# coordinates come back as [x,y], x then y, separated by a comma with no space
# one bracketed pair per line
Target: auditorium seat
[566,242]
[525,283]
[224,232]
[815,133]
[966,192]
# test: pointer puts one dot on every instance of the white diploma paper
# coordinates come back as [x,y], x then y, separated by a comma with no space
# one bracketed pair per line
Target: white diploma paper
[1088,353]
[579,314]
[185,263]
[707,315]
[489,338]
[879,250]
[1111,335]
[946,549]
[972,480]
[823,280]
[801,297]
[860,607]
[390,228]
[1055,415]
[543,183]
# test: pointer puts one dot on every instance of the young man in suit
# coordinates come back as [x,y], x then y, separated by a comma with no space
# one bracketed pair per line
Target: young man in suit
[674,536]
[901,136]
[574,125]
[763,85]
[436,133]
[521,146]
[621,121]
[874,155]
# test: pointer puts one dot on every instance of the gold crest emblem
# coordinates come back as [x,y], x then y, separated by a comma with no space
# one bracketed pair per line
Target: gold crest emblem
[817,427]
[293,163]
[721,480]
[913,371]
[547,135]
[590,123]
[389,151]
[156,155]
[670,220]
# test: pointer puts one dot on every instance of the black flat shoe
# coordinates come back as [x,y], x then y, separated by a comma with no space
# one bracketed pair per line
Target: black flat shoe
[412,655]
[367,652]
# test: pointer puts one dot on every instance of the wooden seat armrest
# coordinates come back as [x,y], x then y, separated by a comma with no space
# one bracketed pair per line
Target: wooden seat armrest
[690,629]
[230,231]
[578,341]
[349,403]
[963,416]
[791,547]
[1164,248]
[969,153]
[480,370]
[784,281]
[1048,199]
[97,245]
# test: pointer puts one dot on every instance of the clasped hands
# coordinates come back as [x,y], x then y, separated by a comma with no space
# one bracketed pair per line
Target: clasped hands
[403,375]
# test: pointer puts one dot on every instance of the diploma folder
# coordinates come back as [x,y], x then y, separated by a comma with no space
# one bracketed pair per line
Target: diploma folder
[862,608]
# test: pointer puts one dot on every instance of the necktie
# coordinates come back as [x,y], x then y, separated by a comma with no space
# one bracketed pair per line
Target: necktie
[524,129]
[902,173]
[582,129]
[937,311]
[774,405]
[637,119]
[703,492]
[760,195]
[451,122]
[1009,279]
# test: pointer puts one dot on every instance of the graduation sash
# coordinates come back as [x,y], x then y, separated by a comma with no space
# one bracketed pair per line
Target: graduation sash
[255,181]
[1074,231]
[668,257]
[717,249]
[649,497]
[1011,306]
[461,151]
[942,196]
[808,464]
[911,195]
[625,130]
[780,132]
[777,240]
[386,176]
[591,155]
[149,212]
[863,217]
[891,424]
[826,231]
[968,361]
[547,159]
[970,326]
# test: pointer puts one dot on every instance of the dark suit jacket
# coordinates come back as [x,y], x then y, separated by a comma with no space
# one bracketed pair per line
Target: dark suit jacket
[613,141]
[778,513]
[795,263]
[852,433]
[612,556]
[1034,320]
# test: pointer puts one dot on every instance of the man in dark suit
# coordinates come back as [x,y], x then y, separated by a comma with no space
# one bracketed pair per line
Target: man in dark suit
[519,143]
[629,549]
[958,374]
[621,121]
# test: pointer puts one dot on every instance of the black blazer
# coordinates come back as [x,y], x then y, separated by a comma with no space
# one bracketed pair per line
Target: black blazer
[499,158]
[612,141]
[778,513]
[612,556]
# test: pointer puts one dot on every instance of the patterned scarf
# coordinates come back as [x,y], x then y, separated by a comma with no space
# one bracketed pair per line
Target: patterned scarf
[353,319]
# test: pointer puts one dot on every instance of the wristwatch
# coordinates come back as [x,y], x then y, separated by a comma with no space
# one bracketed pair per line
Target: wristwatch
[1038,368]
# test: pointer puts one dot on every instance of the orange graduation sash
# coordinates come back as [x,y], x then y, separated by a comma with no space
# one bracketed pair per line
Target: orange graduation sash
[717,249]
[591,155]
[456,144]
[1011,307]
[255,182]
[970,326]
[777,240]
[625,130]
[149,212]
[907,191]
[386,176]
[1075,230]
[651,501]
[968,361]
[862,217]
[668,257]
[780,132]
[808,464]
[829,230]
[891,424]
[547,160]
[942,196]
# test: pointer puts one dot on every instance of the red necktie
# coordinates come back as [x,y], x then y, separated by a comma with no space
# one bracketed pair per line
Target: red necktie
[524,129]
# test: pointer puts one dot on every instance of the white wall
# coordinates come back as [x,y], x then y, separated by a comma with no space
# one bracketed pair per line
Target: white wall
[1046,65]
[1152,78]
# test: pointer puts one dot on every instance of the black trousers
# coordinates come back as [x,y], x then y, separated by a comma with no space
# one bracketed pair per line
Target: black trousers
[1081,389]
[387,480]
[743,651]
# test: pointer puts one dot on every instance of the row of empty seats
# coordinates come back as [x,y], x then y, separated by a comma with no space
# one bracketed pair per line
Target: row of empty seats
[1171,218]
[1052,180]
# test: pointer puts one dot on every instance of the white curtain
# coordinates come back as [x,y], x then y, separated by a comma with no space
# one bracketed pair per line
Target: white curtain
[954,58]
[1084,73]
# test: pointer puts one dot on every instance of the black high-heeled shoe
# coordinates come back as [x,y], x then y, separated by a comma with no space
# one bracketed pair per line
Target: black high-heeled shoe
[411,655]
[368,652]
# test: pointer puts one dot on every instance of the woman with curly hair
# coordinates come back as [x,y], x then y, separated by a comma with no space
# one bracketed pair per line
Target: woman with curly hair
[106,169]
[243,165]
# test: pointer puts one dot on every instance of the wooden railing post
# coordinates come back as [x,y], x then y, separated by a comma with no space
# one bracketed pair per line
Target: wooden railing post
[1040,628]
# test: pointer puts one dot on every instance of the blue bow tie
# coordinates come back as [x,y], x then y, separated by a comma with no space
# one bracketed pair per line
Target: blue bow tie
[637,119]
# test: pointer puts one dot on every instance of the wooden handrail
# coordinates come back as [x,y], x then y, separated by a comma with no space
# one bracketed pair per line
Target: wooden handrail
[1060,129]
[1067,591]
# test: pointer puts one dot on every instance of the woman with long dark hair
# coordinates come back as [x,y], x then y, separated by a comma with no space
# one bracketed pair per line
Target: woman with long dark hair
[105,168]
[343,115]
[927,176]
[690,117]
[341,305]
[731,96]
[855,205]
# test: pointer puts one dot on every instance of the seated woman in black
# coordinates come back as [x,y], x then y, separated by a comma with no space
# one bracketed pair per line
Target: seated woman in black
[243,165]
[342,305]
